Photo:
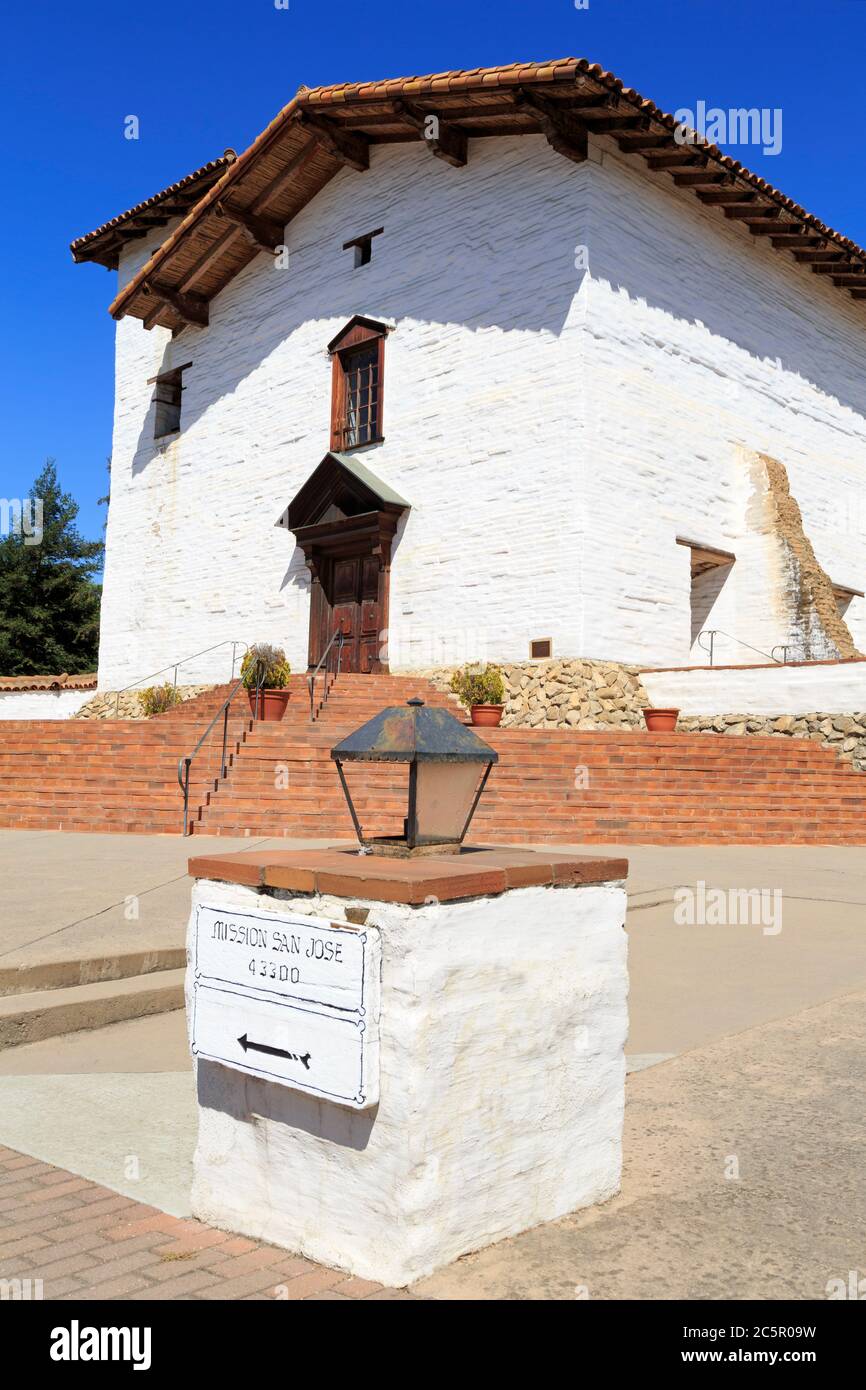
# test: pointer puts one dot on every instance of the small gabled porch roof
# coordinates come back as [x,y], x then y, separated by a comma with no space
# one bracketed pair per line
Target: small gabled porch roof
[345,482]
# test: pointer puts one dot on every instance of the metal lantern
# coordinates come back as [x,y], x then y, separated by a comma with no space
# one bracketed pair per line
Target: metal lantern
[448,770]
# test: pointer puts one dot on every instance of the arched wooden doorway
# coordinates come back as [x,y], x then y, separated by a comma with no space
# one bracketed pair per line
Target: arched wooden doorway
[344,519]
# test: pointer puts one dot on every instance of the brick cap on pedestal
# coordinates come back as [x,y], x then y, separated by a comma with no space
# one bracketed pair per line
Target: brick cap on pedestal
[345,873]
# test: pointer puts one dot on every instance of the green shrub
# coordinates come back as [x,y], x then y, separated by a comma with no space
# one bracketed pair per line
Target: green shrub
[479,685]
[265,666]
[159,698]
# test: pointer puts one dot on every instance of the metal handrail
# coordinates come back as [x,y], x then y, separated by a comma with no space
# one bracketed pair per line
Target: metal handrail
[714,632]
[185,763]
[176,665]
[339,638]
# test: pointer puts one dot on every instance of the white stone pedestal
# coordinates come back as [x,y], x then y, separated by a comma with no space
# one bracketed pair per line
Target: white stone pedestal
[501,1070]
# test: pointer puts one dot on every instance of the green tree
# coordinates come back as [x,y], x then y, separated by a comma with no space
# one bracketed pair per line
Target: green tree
[49,604]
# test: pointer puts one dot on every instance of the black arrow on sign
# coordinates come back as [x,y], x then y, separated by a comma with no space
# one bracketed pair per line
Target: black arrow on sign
[273,1051]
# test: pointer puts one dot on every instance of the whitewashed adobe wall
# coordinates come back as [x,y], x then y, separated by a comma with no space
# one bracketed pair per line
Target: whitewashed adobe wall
[554,430]
[840,688]
[482,420]
[709,347]
[502,1069]
[42,704]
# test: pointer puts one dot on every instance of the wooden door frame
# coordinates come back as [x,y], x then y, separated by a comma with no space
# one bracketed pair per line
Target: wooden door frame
[356,537]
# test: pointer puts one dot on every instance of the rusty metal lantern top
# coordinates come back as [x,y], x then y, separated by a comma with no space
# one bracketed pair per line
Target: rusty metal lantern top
[448,770]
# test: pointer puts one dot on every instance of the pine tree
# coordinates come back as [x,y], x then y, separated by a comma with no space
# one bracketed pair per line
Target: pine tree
[49,604]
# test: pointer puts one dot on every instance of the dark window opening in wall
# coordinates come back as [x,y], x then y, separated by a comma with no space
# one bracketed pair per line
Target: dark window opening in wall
[358,384]
[710,569]
[167,395]
[541,648]
[362,246]
[843,596]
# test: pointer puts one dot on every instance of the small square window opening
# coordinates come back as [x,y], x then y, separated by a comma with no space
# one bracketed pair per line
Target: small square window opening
[167,397]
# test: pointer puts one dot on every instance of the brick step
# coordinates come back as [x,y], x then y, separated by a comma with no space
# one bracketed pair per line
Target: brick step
[546,827]
[253,771]
[268,754]
[279,735]
[115,736]
[86,824]
[610,830]
[523,794]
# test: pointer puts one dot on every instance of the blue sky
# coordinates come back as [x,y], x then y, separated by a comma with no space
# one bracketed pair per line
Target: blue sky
[201,76]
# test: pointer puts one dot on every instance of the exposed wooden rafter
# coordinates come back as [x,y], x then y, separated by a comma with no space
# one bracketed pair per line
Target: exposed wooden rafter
[771,226]
[678,158]
[189,307]
[260,231]
[752,212]
[281,181]
[642,142]
[564,132]
[793,242]
[350,147]
[449,142]
[728,197]
[208,258]
[705,179]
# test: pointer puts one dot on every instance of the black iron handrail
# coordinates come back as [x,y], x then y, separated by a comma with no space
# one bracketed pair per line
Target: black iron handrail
[340,640]
[714,632]
[184,764]
[176,665]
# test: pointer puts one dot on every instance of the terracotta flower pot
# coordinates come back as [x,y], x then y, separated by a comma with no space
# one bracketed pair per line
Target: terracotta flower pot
[661,721]
[488,716]
[272,704]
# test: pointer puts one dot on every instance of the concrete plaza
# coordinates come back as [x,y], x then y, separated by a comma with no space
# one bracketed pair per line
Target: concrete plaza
[745,1101]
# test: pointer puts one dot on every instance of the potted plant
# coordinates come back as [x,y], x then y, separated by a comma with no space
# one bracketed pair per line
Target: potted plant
[660,721]
[265,673]
[482,690]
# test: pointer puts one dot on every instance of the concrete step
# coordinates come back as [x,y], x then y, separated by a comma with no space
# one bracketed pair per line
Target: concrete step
[30,1017]
[31,976]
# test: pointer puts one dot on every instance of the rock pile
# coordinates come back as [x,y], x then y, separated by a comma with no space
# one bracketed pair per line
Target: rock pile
[106,705]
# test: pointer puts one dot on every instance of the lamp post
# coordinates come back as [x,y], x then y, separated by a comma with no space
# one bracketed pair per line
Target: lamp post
[448,770]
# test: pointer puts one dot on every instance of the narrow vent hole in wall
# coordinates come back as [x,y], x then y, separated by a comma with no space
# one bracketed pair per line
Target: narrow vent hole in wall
[362,246]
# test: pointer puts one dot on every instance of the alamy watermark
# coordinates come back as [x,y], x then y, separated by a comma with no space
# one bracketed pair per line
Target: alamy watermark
[21,1290]
[729,907]
[738,125]
[854,1287]
[22,517]
[77,1343]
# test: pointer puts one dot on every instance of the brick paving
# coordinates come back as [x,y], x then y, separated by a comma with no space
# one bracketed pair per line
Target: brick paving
[84,1241]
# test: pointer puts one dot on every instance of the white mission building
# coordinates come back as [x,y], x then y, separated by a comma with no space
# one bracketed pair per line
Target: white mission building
[482,365]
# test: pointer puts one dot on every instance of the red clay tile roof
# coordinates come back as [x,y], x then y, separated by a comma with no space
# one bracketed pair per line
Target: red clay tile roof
[63,682]
[207,249]
[103,243]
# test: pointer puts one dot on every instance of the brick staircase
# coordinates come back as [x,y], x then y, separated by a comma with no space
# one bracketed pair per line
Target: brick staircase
[105,775]
[557,786]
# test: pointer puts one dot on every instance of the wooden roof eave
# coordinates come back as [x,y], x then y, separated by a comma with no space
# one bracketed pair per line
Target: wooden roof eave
[323,131]
[104,244]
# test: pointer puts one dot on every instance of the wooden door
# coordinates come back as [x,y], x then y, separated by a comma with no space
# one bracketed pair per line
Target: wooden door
[357,611]
[371,622]
[346,584]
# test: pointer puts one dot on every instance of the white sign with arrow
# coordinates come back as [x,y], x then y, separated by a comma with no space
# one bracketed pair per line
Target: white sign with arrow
[291,999]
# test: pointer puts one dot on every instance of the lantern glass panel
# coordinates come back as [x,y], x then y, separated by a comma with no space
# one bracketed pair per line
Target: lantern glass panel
[443,798]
